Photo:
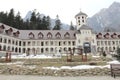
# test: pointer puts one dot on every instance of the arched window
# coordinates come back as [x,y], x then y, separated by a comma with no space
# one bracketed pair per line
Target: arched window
[40,35]
[2,28]
[4,48]
[114,35]
[107,35]
[16,34]
[49,35]
[16,49]
[31,35]
[58,35]
[67,35]
[118,36]
[99,35]
[9,31]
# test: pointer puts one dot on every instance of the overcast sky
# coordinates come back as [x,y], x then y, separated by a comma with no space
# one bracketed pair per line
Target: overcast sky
[66,9]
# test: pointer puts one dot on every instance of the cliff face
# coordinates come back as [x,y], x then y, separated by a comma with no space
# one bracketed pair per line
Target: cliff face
[107,18]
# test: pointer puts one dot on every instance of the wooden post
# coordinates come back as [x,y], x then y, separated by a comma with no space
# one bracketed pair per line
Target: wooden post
[9,59]
[6,57]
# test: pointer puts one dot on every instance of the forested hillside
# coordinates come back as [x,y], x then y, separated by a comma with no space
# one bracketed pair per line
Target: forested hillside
[34,23]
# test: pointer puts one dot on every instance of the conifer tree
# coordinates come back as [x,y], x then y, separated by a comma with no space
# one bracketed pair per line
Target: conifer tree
[71,26]
[33,20]
[10,19]
[18,21]
[57,24]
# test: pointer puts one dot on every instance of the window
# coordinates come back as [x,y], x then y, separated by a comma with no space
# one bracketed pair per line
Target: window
[16,34]
[40,35]
[24,44]
[2,28]
[69,43]
[19,43]
[29,43]
[73,42]
[46,43]
[58,35]
[49,35]
[9,31]
[42,43]
[83,21]
[31,35]
[59,43]
[78,17]
[33,43]
[82,17]
[67,35]
[51,42]
[9,41]
[5,40]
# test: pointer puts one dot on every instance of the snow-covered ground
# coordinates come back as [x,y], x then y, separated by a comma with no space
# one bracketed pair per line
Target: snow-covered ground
[43,56]
[40,56]
[83,66]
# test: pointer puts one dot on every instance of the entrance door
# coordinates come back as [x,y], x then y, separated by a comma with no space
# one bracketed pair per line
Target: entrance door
[87,47]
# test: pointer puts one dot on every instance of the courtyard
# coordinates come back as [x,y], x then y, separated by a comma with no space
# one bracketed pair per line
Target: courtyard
[47,65]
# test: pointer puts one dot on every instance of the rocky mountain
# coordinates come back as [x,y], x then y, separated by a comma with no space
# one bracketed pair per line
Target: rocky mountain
[106,19]
[64,25]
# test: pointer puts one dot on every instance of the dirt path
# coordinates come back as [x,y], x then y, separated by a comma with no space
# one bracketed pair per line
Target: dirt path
[29,77]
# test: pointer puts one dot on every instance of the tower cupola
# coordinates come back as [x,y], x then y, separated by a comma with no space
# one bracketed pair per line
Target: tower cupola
[81,18]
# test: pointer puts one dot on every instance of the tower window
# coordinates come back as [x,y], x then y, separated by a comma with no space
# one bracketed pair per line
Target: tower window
[82,17]
[82,20]
[78,17]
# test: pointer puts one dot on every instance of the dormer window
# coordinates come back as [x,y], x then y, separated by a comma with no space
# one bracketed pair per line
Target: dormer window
[99,36]
[31,35]
[9,31]
[106,35]
[49,35]
[16,34]
[58,35]
[2,28]
[114,35]
[67,35]
[40,35]
[119,36]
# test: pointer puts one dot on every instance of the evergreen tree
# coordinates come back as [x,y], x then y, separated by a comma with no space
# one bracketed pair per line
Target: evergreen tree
[10,19]
[33,20]
[3,17]
[39,22]
[48,22]
[18,21]
[71,26]
[26,25]
[44,25]
[57,24]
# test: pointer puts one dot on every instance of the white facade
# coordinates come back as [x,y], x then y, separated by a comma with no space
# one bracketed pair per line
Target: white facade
[50,42]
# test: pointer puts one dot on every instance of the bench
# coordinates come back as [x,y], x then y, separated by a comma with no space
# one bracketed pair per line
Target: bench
[115,69]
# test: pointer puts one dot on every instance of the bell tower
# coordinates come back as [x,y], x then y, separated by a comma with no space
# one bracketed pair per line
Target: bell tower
[81,18]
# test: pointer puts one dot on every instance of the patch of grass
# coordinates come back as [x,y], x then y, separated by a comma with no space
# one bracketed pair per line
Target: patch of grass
[58,62]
